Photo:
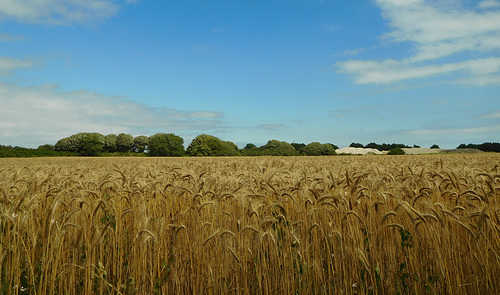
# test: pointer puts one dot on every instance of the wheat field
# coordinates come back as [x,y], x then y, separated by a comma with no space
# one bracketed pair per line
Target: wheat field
[426,224]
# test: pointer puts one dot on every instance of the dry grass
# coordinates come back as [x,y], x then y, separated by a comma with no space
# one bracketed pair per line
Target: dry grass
[306,225]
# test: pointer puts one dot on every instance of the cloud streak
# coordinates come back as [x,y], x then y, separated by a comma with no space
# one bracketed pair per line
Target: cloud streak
[436,32]
[4,37]
[455,131]
[390,71]
[272,127]
[9,64]
[59,12]
[42,114]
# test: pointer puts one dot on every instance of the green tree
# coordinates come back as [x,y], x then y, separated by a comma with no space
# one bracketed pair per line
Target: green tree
[250,146]
[319,149]
[166,145]
[356,145]
[46,147]
[229,149]
[124,142]
[204,146]
[140,144]
[313,149]
[299,147]
[207,145]
[71,143]
[250,150]
[278,148]
[110,143]
[434,146]
[334,146]
[92,144]
[396,151]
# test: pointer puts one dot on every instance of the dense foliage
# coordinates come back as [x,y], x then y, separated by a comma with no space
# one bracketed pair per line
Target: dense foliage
[319,149]
[384,146]
[41,151]
[396,151]
[162,144]
[485,147]
[208,146]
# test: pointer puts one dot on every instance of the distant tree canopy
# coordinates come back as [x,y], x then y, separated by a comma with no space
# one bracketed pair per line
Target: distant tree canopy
[386,146]
[249,146]
[124,143]
[396,151]
[72,143]
[381,147]
[208,146]
[166,145]
[299,147]
[45,150]
[278,148]
[162,144]
[485,147]
[319,149]
[250,150]
[140,143]
[110,143]
[92,144]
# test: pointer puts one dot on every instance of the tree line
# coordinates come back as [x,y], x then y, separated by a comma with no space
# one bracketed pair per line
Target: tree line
[486,147]
[171,145]
[165,145]
[385,146]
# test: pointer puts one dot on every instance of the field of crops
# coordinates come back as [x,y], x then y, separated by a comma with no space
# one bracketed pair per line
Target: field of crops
[266,225]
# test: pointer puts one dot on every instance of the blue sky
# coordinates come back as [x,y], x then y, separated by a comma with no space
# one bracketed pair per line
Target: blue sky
[385,71]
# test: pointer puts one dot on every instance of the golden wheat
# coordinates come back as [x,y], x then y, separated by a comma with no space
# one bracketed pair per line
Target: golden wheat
[266,225]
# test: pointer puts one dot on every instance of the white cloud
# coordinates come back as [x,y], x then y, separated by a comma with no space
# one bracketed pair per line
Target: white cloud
[355,51]
[439,33]
[8,64]
[59,12]
[390,71]
[493,115]
[36,115]
[489,4]
[437,29]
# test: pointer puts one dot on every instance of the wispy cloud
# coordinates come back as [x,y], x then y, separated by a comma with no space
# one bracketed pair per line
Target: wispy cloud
[389,70]
[4,37]
[272,127]
[355,51]
[489,129]
[341,113]
[489,4]
[493,115]
[43,114]
[59,12]
[436,31]
[8,64]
